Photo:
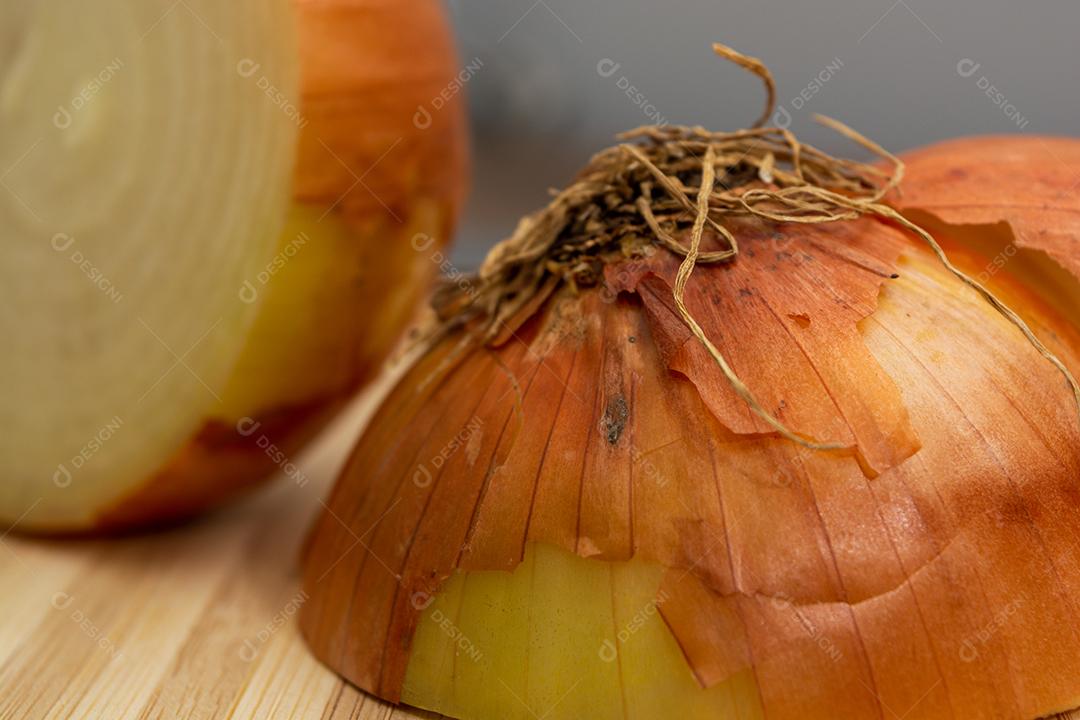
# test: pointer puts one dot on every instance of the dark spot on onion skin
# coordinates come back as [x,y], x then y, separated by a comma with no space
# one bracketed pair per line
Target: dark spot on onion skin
[614,420]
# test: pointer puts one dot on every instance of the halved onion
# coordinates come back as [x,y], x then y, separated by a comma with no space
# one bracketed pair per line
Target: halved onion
[585,520]
[208,212]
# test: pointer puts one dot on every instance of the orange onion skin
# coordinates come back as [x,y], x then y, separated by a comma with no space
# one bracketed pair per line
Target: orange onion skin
[936,553]
[1028,182]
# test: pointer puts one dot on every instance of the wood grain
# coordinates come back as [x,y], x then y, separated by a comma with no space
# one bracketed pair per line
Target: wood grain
[192,623]
[197,622]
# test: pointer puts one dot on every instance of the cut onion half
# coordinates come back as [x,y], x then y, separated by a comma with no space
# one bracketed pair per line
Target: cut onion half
[579,518]
[188,273]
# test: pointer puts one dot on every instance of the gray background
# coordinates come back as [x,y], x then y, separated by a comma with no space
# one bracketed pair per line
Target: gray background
[540,107]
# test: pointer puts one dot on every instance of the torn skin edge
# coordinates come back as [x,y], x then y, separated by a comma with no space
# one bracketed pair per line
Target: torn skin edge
[673,340]
[1011,264]
[1026,181]
[675,362]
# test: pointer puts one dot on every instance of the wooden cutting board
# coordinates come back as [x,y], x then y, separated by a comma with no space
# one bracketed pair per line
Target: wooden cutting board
[194,623]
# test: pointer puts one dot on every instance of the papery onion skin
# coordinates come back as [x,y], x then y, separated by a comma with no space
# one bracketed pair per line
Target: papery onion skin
[594,430]
[368,179]
[1030,182]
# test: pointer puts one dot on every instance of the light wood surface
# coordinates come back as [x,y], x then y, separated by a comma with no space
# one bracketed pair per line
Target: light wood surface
[194,622]
[197,622]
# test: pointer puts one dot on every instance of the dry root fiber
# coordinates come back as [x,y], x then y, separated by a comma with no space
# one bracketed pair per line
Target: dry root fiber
[662,183]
